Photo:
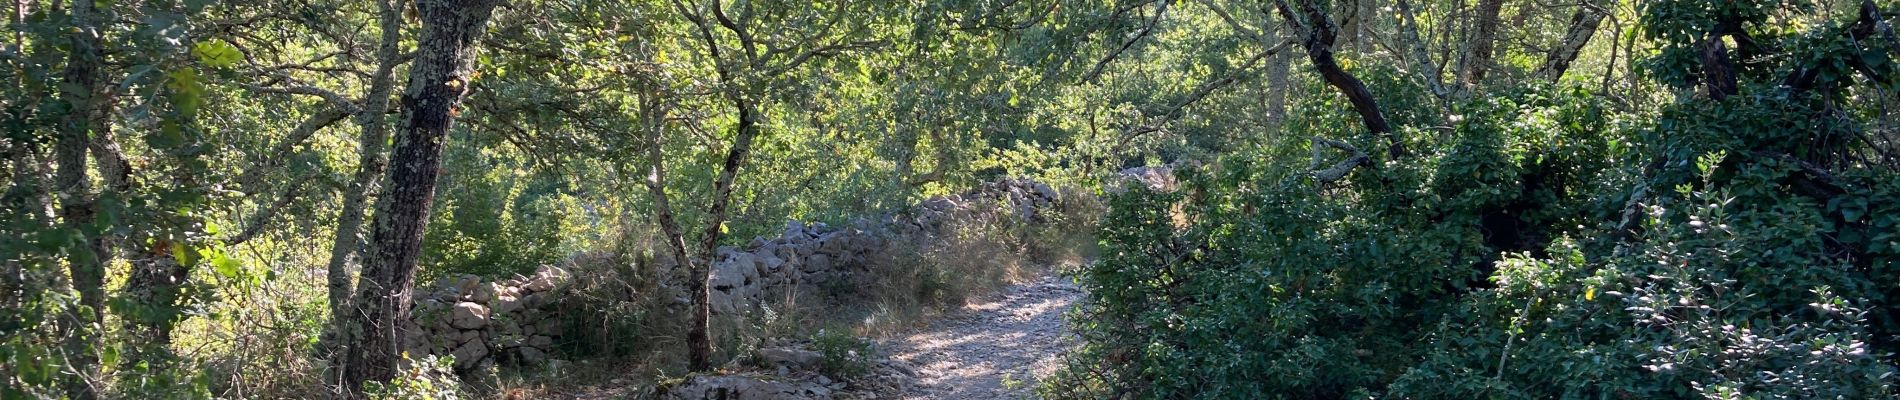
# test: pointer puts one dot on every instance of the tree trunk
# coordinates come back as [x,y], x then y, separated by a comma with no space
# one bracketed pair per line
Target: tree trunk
[154,287]
[653,116]
[1583,26]
[699,353]
[1717,72]
[1277,84]
[81,83]
[1319,50]
[1421,56]
[438,79]
[1478,52]
[370,165]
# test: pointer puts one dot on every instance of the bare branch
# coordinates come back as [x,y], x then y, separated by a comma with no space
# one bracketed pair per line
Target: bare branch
[1100,66]
[1228,18]
[1201,92]
[263,216]
[252,177]
[1338,171]
[335,99]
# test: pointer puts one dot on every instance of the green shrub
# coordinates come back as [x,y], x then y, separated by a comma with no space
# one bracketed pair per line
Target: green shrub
[1499,262]
[430,378]
[842,355]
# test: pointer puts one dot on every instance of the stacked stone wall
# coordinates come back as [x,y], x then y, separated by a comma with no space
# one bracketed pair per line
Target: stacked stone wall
[488,323]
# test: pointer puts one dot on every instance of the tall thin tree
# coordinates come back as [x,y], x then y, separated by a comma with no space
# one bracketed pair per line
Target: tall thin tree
[438,80]
[81,82]
[370,165]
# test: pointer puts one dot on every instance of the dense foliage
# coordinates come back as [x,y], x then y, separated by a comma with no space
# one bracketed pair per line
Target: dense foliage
[1545,242]
[1654,198]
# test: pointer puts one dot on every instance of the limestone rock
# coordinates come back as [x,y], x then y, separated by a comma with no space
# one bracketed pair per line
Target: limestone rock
[505,304]
[541,342]
[743,387]
[532,356]
[727,275]
[469,315]
[483,293]
[789,357]
[470,354]
[546,279]
[816,263]
[549,327]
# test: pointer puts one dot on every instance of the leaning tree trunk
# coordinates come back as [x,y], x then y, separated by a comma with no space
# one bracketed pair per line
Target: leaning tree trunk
[1319,35]
[81,83]
[1583,26]
[438,79]
[370,165]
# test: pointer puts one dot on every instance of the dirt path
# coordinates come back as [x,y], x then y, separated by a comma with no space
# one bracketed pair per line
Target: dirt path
[993,349]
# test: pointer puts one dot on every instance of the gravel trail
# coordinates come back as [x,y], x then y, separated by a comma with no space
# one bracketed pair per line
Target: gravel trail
[996,348]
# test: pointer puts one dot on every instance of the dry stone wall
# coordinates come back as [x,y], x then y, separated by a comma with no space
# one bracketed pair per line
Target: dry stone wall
[483,324]
[806,256]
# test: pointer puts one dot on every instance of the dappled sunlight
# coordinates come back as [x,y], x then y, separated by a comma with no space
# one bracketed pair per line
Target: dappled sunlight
[974,352]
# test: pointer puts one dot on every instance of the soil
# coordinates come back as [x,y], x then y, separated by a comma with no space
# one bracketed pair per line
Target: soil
[994,348]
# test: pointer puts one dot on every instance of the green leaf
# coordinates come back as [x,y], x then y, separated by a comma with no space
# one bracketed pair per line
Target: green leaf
[184,256]
[216,53]
[187,91]
[225,266]
[168,135]
[109,355]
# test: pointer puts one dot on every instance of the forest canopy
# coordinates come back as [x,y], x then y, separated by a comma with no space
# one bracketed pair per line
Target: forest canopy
[1362,198]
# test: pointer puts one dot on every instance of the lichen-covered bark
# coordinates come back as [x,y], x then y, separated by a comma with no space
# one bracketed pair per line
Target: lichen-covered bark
[1484,38]
[438,79]
[1583,26]
[346,242]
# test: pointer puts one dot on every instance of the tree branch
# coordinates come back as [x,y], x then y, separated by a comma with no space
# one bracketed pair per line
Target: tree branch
[1583,26]
[335,99]
[1201,92]
[251,178]
[1428,69]
[1319,49]
[264,216]
[1338,171]
[1100,66]
[826,51]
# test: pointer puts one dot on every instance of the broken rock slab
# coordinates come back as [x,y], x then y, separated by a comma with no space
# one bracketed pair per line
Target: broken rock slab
[746,386]
[789,357]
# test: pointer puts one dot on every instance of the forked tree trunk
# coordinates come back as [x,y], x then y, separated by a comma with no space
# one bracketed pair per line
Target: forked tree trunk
[438,79]
[699,352]
[654,117]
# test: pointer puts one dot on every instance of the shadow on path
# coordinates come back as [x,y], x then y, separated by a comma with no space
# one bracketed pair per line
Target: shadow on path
[993,349]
